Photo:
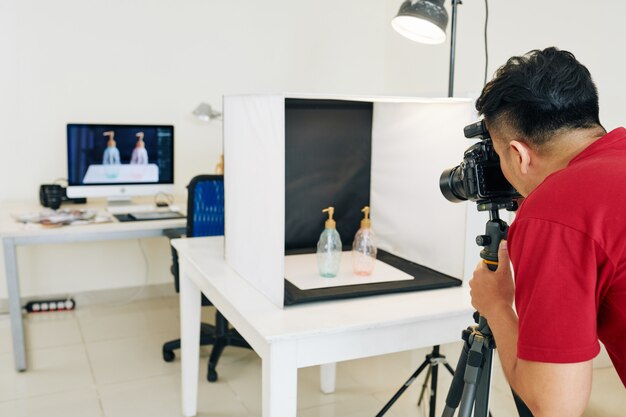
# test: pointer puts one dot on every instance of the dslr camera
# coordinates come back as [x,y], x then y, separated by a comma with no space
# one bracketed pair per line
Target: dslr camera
[53,195]
[479,177]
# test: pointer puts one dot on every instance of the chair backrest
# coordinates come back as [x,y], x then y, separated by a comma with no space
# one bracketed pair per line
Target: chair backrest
[205,206]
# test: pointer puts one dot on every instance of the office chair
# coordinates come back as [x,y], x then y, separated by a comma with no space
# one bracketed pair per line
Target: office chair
[205,217]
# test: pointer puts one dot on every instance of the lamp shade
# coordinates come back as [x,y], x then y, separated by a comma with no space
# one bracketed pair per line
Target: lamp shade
[422,21]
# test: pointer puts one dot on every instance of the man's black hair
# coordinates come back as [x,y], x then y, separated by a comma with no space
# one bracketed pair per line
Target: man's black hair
[540,93]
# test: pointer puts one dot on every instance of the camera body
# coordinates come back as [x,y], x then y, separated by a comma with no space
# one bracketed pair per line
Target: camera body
[51,195]
[478,177]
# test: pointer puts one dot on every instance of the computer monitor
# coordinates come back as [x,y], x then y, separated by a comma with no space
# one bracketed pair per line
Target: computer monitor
[119,161]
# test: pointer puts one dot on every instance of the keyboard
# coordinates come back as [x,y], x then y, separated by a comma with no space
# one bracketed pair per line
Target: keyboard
[156,215]
[131,208]
[149,215]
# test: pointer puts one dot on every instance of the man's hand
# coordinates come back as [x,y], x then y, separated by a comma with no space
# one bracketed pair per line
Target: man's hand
[492,291]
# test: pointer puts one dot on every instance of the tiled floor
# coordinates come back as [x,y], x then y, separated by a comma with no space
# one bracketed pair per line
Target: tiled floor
[105,361]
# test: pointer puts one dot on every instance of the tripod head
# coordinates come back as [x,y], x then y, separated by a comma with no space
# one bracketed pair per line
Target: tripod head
[496,230]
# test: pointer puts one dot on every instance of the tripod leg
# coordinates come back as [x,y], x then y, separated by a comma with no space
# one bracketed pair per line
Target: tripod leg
[456,387]
[403,388]
[467,402]
[433,388]
[481,406]
[424,385]
[472,374]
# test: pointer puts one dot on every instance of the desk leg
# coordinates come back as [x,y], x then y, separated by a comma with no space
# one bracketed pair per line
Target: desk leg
[328,375]
[280,381]
[190,304]
[15,309]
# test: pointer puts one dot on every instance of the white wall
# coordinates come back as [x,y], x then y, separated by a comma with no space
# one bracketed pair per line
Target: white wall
[153,61]
[592,31]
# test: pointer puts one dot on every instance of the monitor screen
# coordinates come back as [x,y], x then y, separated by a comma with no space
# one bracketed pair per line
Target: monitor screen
[118,160]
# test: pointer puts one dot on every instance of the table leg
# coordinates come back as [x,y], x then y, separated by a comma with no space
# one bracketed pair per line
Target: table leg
[190,304]
[15,309]
[280,381]
[328,375]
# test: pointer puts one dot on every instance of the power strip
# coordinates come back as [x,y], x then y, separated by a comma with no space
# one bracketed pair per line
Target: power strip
[44,306]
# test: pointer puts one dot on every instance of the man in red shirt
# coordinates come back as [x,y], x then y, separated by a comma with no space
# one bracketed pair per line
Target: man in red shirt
[567,245]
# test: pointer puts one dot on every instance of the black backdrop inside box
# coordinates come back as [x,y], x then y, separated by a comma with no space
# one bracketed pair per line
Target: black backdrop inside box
[328,158]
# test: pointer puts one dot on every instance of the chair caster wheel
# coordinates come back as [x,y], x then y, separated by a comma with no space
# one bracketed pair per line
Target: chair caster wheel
[168,356]
[212,375]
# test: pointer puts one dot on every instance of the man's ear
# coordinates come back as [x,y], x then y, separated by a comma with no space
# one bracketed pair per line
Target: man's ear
[522,155]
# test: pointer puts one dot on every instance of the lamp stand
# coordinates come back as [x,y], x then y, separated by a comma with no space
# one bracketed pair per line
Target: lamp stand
[434,358]
[455,3]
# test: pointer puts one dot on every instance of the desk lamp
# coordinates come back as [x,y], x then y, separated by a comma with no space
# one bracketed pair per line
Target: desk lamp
[425,21]
[206,113]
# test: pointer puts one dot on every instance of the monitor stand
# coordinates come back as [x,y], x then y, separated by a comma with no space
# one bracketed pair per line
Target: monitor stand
[124,205]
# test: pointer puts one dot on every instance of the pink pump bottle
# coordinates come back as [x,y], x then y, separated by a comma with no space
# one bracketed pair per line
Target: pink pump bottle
[363,247]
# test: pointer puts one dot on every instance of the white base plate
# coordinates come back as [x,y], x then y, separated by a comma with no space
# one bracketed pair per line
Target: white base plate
[301,271]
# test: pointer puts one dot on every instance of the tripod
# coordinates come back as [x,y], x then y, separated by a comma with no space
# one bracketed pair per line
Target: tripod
[479,343]
[472,379]
[432,361]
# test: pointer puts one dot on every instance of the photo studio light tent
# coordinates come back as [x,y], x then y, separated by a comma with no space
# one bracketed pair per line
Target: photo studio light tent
[287,157]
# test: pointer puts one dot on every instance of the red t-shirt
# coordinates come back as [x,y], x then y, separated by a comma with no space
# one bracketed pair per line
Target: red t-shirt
[568,250]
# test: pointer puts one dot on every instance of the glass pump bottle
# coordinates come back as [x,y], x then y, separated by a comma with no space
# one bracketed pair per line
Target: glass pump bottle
[329,247]
[363,247]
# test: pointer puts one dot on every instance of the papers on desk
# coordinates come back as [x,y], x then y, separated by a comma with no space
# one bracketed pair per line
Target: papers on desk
[301,271]
[63,217]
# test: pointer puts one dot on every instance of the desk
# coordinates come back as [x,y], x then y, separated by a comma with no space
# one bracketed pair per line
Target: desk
[14,234]
[307,334]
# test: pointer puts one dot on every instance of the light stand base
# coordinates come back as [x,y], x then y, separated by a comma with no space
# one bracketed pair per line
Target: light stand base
[432,361]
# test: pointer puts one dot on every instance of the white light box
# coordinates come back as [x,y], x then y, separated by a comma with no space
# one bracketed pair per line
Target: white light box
[289,156]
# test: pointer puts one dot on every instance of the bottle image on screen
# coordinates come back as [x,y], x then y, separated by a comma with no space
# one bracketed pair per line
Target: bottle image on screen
[111,156]
[329,247]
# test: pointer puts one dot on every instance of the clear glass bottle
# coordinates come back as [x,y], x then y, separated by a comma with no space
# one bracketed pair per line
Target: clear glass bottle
[329,247]
[364,247]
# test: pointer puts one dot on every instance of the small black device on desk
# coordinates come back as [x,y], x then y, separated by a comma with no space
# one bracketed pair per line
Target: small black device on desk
[53,195]
[149,215]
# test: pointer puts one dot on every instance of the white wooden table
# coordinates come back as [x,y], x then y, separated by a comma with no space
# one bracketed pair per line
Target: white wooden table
[14,234]
[308,334]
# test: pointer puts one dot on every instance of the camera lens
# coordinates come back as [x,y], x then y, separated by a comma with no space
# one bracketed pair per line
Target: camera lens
[54,201]
[451,185]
